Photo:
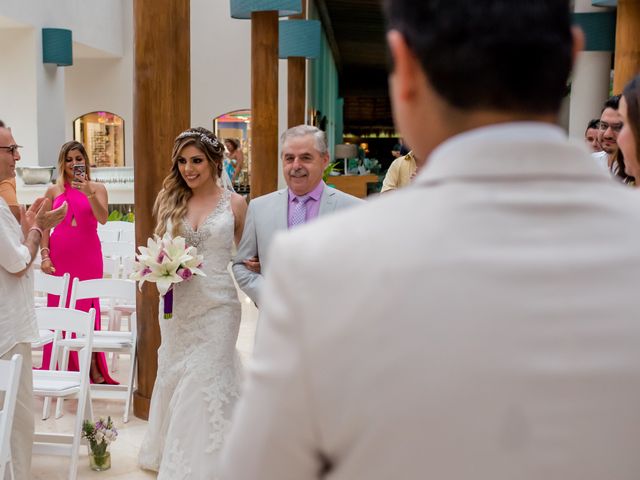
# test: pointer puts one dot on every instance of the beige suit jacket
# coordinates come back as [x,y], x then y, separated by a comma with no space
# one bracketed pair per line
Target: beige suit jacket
[481,324]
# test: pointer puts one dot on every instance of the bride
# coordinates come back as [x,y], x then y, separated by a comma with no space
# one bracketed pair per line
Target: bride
[198,367]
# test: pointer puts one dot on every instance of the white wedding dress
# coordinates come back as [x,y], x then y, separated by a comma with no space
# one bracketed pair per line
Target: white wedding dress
[198,367]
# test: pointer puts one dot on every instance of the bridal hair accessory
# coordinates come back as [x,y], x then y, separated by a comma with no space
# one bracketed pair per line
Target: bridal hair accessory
[203,137]
[166,261]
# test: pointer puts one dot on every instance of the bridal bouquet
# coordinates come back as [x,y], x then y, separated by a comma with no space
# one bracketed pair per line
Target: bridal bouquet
[165,261]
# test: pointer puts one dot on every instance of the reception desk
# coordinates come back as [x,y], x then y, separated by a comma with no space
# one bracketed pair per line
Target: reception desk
[355,185]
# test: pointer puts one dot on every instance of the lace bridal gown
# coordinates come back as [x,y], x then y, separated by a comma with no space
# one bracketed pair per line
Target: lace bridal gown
[198,367]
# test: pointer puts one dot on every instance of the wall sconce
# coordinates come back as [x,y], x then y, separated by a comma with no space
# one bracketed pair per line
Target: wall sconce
[299,38]
[242,9]
[57,46]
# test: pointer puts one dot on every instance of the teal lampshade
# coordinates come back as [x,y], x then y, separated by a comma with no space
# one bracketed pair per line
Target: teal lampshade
[299,38]
[599,29]
[242,8]
[57,46]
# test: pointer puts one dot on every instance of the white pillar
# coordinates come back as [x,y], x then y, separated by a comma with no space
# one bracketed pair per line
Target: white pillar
[50,107]
[590,82]
[17,90]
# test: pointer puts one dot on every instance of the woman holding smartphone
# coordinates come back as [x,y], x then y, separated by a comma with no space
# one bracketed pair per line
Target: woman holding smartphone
[74,247]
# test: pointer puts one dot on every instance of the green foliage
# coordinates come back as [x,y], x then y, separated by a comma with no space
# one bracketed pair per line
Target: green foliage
[114,216]
[328,170]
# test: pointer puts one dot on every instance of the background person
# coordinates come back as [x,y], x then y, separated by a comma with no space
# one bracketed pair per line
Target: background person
[591,135]
[234,161]
[74,246]
[629,137]
[18,248]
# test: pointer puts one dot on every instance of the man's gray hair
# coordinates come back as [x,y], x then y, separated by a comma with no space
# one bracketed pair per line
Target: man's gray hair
[319,136]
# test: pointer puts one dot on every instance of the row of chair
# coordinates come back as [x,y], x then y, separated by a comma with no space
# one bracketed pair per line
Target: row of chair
[116,231]
[61,327]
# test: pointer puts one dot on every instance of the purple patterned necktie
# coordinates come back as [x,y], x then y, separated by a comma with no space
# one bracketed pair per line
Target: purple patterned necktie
[299,213]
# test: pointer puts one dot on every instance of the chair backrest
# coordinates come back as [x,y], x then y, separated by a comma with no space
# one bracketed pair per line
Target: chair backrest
[109,235]
[118,249]
[50,284]
[111,288]
[128,236]
[111,267]
[128,266]
[70,321]
[116,225]
[9,381]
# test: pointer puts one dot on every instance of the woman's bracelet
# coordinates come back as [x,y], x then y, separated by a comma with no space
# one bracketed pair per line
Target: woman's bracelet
[37,229]
[45,259]
[44,249]
[91,195]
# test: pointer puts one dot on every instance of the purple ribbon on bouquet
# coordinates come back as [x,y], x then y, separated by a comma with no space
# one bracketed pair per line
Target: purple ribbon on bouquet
[168,304]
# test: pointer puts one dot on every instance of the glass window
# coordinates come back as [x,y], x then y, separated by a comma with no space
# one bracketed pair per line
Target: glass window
[236,126]
[102,134]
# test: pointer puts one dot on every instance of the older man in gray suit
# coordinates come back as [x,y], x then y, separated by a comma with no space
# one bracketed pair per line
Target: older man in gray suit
[304,157]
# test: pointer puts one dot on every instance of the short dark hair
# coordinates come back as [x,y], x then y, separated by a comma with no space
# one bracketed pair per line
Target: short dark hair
[612,102]
[593,123]
[490,54]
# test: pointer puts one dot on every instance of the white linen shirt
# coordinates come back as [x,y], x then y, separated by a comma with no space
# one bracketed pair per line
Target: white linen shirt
[17,313]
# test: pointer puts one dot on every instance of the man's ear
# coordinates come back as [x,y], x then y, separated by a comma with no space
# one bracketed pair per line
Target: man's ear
[578,42]
[406,67]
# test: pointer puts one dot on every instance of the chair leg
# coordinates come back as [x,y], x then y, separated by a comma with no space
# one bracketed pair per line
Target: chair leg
[115,324]
[63,367]
[132,376]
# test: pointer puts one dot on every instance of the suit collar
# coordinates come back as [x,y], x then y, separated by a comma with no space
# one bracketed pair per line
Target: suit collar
[514,150]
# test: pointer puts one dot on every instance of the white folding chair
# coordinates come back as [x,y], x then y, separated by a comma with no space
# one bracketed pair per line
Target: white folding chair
[122,294]
[108,235]
[118,249]
[48,284]
[9,381]
[128,236]
[63,384]
[111,267]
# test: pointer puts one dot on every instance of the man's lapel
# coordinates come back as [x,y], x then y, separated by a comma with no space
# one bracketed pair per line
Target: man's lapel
[327,201]
[281,222]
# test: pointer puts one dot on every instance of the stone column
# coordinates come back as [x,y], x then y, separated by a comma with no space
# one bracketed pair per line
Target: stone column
[162,109]
[590,82]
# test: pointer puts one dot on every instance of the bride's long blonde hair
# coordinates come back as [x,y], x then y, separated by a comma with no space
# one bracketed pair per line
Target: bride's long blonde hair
[171,202]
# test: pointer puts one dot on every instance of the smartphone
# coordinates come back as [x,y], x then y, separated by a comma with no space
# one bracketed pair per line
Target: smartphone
[79,172]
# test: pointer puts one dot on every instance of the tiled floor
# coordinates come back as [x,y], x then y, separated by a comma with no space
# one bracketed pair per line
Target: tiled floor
[124,450]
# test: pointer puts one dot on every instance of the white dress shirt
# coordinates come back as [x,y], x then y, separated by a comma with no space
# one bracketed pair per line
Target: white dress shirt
[17,314]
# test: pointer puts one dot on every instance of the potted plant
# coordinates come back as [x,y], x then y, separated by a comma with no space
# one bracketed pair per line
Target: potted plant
[99,435]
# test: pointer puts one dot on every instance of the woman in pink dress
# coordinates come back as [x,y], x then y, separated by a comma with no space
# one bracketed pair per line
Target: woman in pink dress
[74,246]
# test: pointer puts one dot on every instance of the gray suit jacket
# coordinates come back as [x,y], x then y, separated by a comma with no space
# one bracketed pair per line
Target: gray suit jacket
[266,216]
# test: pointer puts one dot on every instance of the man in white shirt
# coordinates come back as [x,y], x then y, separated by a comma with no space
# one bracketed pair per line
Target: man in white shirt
[479,324]
[18,247]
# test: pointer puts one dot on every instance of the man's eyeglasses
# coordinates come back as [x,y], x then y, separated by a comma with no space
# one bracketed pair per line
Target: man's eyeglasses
[615,127]
[12,148]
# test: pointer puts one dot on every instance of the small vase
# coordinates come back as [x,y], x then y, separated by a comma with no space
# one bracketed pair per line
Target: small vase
[100,462]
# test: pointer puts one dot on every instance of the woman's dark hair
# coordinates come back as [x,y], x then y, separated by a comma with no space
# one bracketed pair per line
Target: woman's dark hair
[631,96]
[593,123]
[513,56]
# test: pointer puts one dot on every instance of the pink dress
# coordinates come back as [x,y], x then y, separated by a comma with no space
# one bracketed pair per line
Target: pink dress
[75,249]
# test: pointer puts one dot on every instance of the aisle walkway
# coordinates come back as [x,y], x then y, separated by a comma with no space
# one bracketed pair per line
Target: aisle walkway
[124,451]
